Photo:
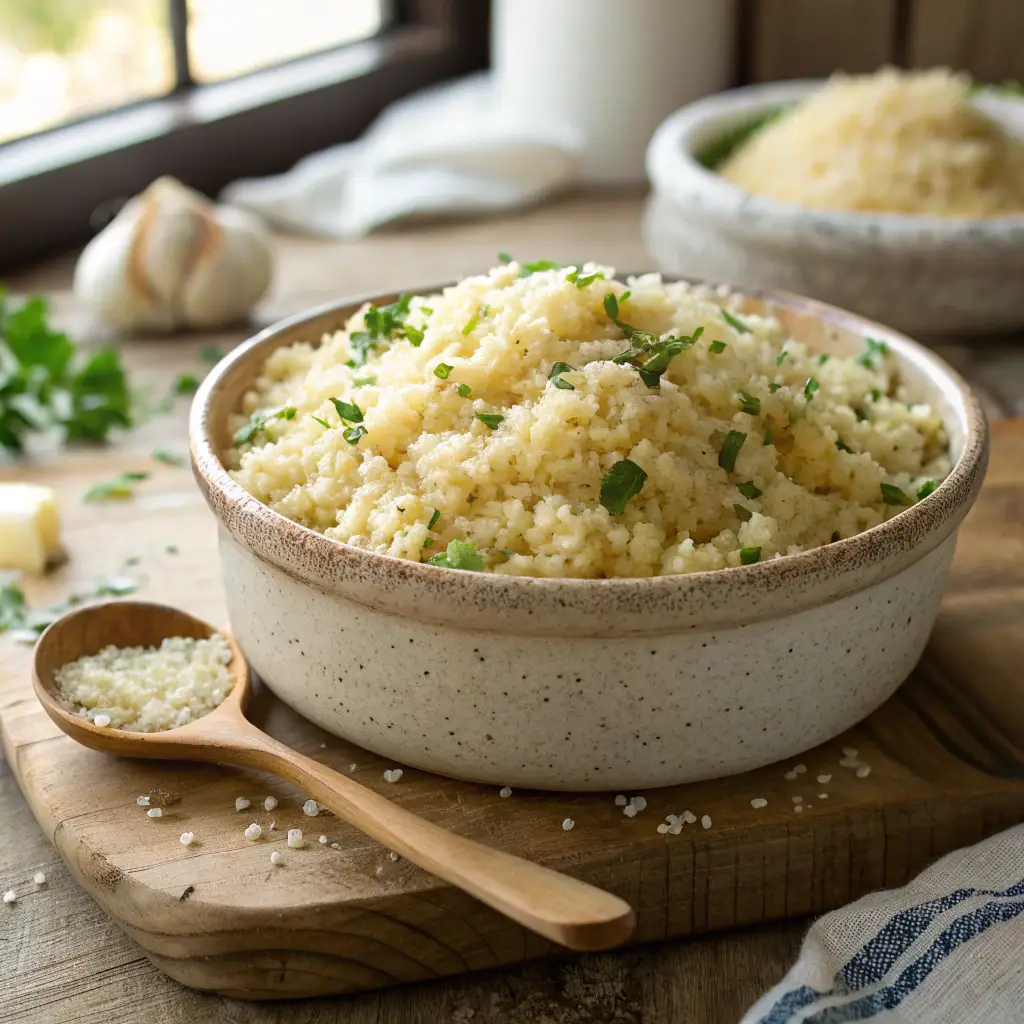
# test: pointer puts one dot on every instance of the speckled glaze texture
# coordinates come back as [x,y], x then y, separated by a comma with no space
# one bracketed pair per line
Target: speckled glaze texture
[925,275]
[588,684]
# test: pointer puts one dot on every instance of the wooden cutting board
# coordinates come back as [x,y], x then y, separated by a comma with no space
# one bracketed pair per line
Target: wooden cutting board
[946,758]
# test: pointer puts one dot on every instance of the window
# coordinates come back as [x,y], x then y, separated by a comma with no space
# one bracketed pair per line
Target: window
[100,97]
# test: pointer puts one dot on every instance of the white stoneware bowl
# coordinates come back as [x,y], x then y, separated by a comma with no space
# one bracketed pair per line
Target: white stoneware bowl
[923,275]
[587,684]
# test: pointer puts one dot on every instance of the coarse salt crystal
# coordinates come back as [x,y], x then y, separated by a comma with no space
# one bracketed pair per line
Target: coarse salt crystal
[39,878]
[102,721]
[758,802]
[799,769]
[276,857]
[295,838]
[674,819]
[351,767]
[10,896]
[706,821]
[689,817]
[393,855]
[270,803]
[142,801]
[824,779]
[154,812]
[335,846]
[323,746]
[639,802]
[253,832]
[567,824]
[863,771]
[849,751]
[823,796]
[323,840]
[675,829]
[311,808]
[662,828]
[849,762]
[621,801]
[799,808]
[797,799]
[790,776]
[505,792]
[393,776]
[629,811]
[186,838]
[241,804]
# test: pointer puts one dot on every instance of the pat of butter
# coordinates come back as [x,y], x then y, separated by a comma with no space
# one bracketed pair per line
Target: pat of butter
[29,527]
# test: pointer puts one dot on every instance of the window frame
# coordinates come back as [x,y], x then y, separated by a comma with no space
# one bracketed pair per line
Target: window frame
[54,184]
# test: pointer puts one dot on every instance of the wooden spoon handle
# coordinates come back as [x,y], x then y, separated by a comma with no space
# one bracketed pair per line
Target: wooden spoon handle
[557,906]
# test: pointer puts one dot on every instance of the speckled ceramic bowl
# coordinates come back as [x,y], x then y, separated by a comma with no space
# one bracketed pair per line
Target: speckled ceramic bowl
[923,275]
[587,684]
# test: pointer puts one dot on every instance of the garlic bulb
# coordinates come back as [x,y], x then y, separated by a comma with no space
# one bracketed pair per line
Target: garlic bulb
[172,259]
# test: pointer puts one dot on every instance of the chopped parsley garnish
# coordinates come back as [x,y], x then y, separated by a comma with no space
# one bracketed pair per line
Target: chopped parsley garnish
[429,542]
[210,354]
[185,384]
[750,404]
[735,322]
[537,267]
[442,370]
[844,447]
[768,436]
[490,419]
[730,449]
[773,387]
[810,386]
[120,487]
[504,257]
[434,518]
[659,352]
[348,411]
[872,348]
[257,424]
[717,347]
[624,480]
[835,537]
[749,490]
[16,614]
[925,489]
[427,310]
[582,282]
[744,514]
[414,334]
[474,320]
[823,359]
[782,355]
[892,495]
[362,382]
[381,322]
[463,390]
[860,414]
[555,376]
[322,422]
[748,556]
[876,395]
[353,434]
[169,458]
[460,554]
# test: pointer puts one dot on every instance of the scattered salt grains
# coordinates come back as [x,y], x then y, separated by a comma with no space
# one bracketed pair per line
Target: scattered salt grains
[311,808]
[663,828]
[295,838]
[101,720]
[393,775]
[863,771]
[797,799]
[706,821]
[155,812]
[675,829]
[849,751]
[393,855]
[335,846]
[790,776]
[689,817]
[823,796]
[142,801]
[505,792]
[323,746]
[352,767]
[241,804]
[758,802]
[39,878]
[849,762]
[270,803]
[674,819]
[277,857]
[824,779]
[621,801]
[10,896]
[799,808]
[253,832]
[567,824]
[187,838]
[629,811]
[639,802]
[323,840]
[799,769]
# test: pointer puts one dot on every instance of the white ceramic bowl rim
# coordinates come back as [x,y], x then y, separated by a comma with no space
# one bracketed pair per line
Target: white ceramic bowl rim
[622,605]
[675,171]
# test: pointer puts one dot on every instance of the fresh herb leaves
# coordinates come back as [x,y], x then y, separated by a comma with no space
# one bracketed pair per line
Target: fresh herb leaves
[474,320]
[555,376]
[210,354]
[322,422]
[353,434]
[844,447]
[434,518]
[730,449]
[490,419]
[463,390]
[15,613]
[717,346]
[623,481]
[745,515]
[749,556]
[169,458]
[769,437]
[872,349]
[348,411]
[121,487]
[658,352]
[735,322]
[749,404]
[460,554]
[442,370]
[581,281]
[892,495]
[257,425]
[925,489]
[185,384]
[537,267]
[810,386]
[381,323]
[749,490]
[715,154]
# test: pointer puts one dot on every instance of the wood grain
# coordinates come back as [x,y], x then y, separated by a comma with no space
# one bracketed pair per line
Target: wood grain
[811,39]
[979,36]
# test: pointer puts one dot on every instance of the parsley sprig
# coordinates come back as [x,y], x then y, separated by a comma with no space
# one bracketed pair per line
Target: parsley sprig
[258,426]
[120,487]
[383,323]
[460,554]
[649,353]
[623,481]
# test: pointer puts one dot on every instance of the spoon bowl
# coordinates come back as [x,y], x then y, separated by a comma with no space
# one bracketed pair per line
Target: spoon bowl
[561,908]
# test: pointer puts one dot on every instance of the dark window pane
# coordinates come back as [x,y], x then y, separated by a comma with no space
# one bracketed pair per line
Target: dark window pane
[228,38]
[64,59]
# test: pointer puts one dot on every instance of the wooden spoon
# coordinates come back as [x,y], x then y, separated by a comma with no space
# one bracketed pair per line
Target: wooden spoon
[561,908]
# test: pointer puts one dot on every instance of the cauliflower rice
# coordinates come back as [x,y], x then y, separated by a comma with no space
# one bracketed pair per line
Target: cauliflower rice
[459,440]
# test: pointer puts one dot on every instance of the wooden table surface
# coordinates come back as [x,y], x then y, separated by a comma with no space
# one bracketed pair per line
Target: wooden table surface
[62,960]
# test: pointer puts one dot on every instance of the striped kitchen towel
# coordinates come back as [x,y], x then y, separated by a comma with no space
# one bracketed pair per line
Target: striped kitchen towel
[946,949]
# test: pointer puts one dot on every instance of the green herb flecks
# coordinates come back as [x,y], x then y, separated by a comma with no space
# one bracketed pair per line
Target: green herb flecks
[555,376]
[650,354]
[822,359]
[463,390]
[348,411]
[780,357]
[876,395]
[749,490]
[442,370]
[810,386]
[844,447]
[749,556]
[730,449]
[892,495]
[169,458]
[364,381]
[120,487]
[749,404]
[471,325]
[490,419]
[835,537]
[504,257]
[769,437]
[773,387]
[537,267]
[925,489]
[582,280]
[873,349]
[716,347]
[434,518]
[16,614]
[258,424]
[735,322]
[717,152]
[744,514]
[185,384]
[460,554]
[353,434]
[381,323]
[623,481]
[322,422]
[210,354]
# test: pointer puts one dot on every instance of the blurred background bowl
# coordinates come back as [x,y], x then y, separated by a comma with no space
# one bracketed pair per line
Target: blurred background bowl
[922,275]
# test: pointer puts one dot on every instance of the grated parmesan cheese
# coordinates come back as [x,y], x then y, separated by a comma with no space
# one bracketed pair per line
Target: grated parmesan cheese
[148,689]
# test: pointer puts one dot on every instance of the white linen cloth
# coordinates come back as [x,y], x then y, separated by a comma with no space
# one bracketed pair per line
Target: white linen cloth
[946,949]
[445,151]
